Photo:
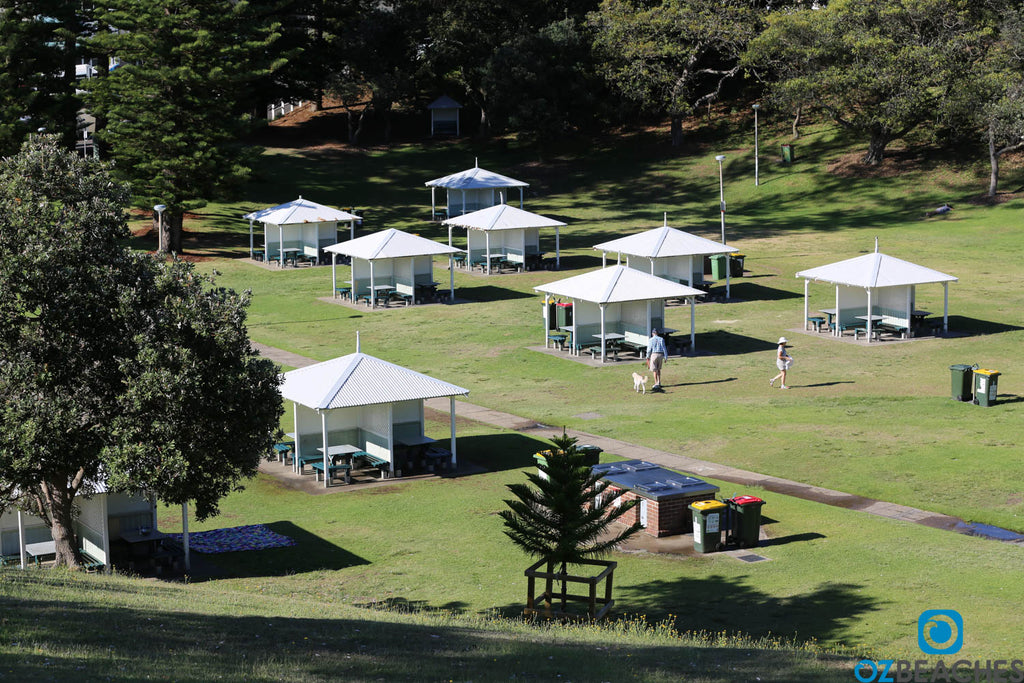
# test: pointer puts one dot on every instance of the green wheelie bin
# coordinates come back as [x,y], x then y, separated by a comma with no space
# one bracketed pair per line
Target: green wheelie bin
[985,387]
[708,518]
[744,521]
[719,262]
[962,381]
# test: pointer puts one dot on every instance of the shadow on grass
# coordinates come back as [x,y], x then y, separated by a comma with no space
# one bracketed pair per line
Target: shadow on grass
[732,603]
[751,291]
[312,553]
[960,325]
[102,636]
[498,452]
[721,343]
[710,381]
[792,538]
[825,384]
[490,293]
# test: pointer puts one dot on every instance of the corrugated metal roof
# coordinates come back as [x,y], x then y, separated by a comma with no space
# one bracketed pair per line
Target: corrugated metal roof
[390,243]
[444,102]
[502,217]
[617,284]
[475,179]
[875,270]
[651,481]
[300,211]
[361,380]
[665,241]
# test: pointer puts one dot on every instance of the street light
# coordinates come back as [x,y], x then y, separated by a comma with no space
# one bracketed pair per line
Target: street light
[159,208]
[721,193]
[757,180]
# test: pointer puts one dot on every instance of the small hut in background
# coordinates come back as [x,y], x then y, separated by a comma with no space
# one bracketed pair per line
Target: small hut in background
[506,233]
[444,116]
[472,190]
[876,289]
[365,402]
[616,300]
[668,253]
[392,260]
[298,228]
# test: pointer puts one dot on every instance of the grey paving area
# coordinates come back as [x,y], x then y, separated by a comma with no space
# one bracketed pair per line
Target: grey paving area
[673,461]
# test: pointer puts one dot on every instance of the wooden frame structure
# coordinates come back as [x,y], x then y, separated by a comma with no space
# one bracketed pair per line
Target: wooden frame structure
[549,596]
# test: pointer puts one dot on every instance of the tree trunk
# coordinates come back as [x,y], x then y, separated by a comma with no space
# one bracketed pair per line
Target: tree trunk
[58,504]
[993,160]
[163,235]
[796,122]
[485,127]
[876,149]
[173,225]
[677,131]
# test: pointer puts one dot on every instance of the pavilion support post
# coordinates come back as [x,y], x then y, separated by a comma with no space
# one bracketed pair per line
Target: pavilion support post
[334,274]
[298,445]
[945,307]
[547,318]
[391,436]
[451,421]
[806,310]
[280,246]
[433,202]
[105,516]
[373,292]
[604,345]
[837,331]
[575,338]
[869,315]
[451,279]
[251,240]
[327,458]
[693,324]
[689,270]
[352,229]
[487,249]
[558,248]
[184,536]
[21,540]
[604,259]
[520,197]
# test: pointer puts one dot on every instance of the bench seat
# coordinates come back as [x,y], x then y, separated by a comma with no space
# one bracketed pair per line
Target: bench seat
[369,460]
[90,563]
[901,330]
[318,470]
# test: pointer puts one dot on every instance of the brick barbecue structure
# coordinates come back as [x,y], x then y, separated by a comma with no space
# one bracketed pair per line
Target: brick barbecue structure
[664,495]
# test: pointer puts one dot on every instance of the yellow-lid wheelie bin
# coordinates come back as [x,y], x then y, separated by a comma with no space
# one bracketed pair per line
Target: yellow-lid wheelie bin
[708,518]
[985,387]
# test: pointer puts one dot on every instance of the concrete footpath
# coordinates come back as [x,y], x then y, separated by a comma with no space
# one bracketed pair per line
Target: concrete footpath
[682,463]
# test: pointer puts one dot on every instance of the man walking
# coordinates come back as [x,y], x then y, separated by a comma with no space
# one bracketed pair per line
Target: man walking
[656,353]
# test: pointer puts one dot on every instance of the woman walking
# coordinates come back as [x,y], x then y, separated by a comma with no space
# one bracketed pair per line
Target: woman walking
[783,361]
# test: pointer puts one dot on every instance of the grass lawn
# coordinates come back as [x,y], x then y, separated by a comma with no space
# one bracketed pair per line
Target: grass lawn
[875,421]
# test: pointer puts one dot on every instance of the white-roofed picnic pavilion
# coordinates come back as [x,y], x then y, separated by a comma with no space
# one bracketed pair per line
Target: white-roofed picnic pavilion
[875,289]
[363,403]
[667,252]
[391,259]
[616,301]
[298,227]
[506,232]
[473,189]
[444,116]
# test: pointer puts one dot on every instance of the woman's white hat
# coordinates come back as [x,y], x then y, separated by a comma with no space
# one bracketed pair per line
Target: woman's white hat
[783,340]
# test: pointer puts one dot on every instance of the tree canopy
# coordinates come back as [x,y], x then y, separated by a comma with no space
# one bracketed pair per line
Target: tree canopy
[559,517]
[118,369]
[878,67]
[169,111]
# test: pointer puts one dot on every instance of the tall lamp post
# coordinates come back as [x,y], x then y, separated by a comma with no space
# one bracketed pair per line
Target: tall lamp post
[757,179]
[160,208]
[721,193]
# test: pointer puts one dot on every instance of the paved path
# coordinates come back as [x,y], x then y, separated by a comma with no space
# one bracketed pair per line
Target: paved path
[671,460]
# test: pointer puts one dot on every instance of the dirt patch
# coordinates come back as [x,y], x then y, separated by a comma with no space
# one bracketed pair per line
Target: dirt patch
[895,162]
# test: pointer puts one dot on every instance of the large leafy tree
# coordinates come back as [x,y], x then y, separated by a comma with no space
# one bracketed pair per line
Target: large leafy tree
[673,56]
[880,68]
[558,517]
[38,53]
[118,368]
[171,112]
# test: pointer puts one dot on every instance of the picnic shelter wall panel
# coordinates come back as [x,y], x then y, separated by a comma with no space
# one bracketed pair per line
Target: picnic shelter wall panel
[376,430]
[467,201]
[90,525]
[853,301]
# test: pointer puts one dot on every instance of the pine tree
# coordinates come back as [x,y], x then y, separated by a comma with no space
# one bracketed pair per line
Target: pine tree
[170,111]
[559,517]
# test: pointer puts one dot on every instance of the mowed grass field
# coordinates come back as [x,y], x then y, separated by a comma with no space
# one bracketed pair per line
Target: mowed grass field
[871,420]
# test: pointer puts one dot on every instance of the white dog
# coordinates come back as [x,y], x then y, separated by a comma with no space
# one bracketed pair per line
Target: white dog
[639,382]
